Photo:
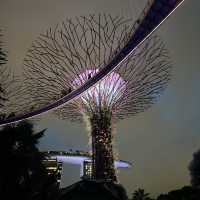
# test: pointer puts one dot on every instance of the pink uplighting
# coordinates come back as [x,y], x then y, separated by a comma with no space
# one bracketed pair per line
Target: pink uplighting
[106,91]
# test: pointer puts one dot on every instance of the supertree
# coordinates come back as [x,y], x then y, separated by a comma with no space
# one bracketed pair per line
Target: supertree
[65,57]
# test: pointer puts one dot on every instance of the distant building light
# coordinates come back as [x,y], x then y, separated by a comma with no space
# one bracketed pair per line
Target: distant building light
[87,169]
[53,167]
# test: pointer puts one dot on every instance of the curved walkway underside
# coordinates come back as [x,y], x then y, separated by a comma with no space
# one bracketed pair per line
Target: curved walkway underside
[153,15]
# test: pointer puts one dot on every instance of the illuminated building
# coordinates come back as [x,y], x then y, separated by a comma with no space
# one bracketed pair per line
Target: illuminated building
[53,167]
[87,169]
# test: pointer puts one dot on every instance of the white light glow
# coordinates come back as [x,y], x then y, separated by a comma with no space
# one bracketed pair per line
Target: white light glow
[107,91]
[78,160]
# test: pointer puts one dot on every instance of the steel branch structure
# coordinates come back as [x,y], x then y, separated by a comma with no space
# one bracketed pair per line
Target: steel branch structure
[65,58]
[154,14]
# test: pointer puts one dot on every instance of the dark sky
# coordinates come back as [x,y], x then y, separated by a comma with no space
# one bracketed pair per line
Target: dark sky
[160,141]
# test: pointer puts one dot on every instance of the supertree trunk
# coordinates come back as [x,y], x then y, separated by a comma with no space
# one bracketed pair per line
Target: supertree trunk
[102,151]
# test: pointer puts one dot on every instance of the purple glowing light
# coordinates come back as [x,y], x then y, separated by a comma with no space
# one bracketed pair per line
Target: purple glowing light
[78,160]
[107,91]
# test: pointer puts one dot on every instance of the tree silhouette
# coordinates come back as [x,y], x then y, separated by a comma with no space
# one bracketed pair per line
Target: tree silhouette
[22,173]
[3,59]
[194,169]
[2,53]
[140,195]
[10,87]
[185,193]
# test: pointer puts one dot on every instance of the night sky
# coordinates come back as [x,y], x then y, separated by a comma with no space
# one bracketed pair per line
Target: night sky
[160,142]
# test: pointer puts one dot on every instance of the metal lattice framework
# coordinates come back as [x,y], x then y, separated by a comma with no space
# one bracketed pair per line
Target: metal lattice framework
[153,15]
[60,55]
[63,59]
[66,57]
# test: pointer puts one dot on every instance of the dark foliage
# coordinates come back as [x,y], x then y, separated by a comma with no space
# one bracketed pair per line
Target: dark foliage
[22,174]
[185,193]
[140,195]
[3,59]
[92,190]
[2,53]
[194,169]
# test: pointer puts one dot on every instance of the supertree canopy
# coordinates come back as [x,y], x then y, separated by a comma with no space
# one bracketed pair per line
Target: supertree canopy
[64,58]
